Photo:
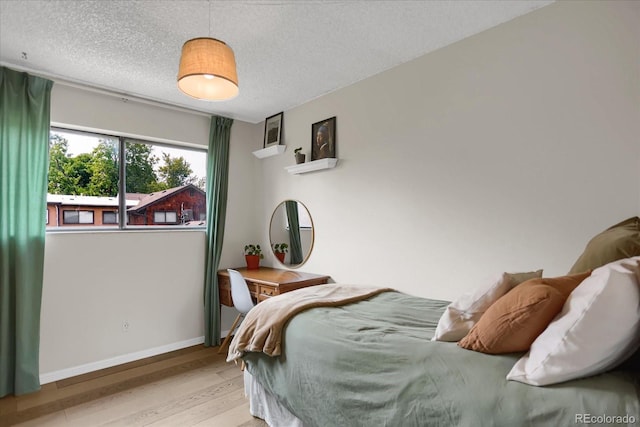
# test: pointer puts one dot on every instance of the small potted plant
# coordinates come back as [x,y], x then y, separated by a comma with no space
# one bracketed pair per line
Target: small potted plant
[253,255]
[299,156]
[280,249]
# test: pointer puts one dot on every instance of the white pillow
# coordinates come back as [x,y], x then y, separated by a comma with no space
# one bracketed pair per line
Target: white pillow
[598,328]
[460,316]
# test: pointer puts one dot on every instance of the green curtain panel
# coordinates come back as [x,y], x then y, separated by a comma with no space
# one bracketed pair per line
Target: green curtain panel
[217,186]
[294,232]
[24,158]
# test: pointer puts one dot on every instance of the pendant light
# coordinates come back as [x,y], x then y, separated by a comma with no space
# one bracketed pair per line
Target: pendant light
[208,69]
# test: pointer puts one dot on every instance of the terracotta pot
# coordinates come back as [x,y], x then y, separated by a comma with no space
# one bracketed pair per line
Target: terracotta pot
[253,261]
[280,256]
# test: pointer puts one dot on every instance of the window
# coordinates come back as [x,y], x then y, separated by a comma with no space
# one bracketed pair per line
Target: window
[77,217]
[165,217]
[109,217]
[160,182]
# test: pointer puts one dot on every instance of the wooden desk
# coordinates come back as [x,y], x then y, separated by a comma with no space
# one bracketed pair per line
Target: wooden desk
[266,282]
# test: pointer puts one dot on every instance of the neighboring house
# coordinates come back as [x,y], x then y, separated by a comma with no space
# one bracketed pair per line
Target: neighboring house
[179,205]
[69,210]
[173,206]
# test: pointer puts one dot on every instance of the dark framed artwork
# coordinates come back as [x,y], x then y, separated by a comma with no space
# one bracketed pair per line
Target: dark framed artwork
[323,139]
[273,130]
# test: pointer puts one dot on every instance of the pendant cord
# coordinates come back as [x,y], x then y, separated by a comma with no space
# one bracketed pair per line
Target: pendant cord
[209,18]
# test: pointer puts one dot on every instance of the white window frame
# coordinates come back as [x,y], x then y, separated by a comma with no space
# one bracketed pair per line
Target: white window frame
[123,215]
[109,213]
[83,216]
[164,214]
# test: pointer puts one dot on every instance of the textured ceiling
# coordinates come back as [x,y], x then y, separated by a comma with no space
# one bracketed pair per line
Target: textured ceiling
[287,52]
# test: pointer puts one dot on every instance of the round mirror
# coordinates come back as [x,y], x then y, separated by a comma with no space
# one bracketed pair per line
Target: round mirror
[291,233]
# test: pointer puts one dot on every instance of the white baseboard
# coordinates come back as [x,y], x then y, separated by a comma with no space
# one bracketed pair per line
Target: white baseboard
[50,377]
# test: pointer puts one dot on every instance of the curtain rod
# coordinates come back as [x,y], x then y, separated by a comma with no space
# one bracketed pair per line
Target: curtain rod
[90,88]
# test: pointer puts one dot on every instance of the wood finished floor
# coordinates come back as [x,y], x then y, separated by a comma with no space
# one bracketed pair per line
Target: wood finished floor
[189,387]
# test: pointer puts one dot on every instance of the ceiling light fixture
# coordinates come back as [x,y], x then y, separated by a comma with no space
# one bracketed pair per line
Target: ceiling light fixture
[208,69]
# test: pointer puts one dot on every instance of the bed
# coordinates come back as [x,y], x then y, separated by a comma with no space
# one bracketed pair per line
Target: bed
[372,363]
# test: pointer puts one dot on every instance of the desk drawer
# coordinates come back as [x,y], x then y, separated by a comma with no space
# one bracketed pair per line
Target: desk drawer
[266,291]
[253,288]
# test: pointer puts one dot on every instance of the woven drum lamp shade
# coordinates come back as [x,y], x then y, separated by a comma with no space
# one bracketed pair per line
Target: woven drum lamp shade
[208,70]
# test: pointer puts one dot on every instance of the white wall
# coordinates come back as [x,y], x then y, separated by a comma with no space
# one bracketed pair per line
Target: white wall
[503,152]
[94,282]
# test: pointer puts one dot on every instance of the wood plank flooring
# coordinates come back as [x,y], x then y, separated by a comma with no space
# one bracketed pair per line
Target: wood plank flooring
[188,387]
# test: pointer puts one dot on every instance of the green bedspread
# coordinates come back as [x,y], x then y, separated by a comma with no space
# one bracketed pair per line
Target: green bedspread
[372,363]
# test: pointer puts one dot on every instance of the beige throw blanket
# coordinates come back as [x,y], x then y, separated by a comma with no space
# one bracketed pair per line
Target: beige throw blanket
[261,330]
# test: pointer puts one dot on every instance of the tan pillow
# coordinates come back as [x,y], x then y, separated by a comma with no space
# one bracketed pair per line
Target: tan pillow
[617,242]
[460,316]
[513,322]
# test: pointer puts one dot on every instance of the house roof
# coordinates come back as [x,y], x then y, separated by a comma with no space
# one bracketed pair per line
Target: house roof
[72,200]
[135,196]
[159,195]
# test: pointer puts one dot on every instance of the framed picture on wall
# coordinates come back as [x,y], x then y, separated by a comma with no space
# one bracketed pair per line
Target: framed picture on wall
[323,139]
[273,130]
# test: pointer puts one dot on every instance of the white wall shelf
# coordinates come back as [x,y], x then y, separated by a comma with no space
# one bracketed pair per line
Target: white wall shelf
[313,166]
[274,150]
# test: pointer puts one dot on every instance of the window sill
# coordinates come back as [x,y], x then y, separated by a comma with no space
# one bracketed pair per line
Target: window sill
[142,229]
